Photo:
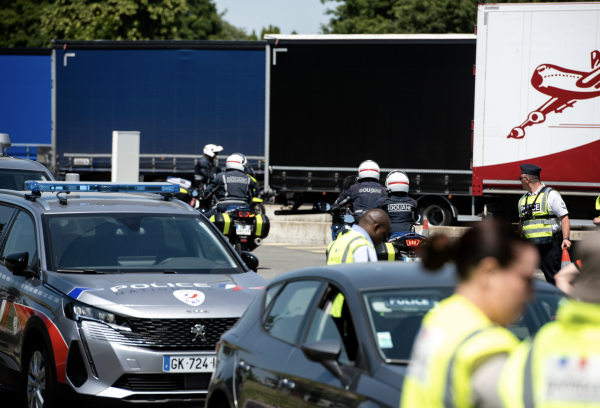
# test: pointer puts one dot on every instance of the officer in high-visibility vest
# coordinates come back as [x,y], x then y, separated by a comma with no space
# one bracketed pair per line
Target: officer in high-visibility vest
[560,366]
[596,220]
[462,344]
[358,244]
[544,220]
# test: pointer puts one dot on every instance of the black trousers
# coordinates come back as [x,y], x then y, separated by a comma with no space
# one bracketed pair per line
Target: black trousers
[550,258]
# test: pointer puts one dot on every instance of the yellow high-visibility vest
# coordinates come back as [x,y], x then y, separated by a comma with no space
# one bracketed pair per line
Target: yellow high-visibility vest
[454,338]
[537,228]
[560,367]
[342,249]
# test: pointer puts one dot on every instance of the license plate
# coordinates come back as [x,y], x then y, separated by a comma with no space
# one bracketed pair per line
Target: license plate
[409,259]
[243,229]
[189,364]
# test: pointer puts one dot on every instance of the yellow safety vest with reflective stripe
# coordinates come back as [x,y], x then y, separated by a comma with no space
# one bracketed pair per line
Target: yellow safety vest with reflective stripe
[560,367]
[537,228]
[342,249]
[598,203]
[455,337]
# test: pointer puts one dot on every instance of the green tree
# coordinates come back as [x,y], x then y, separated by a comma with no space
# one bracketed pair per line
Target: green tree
[403,16]
[131,19]
[271,29]
[32,23]
[20,23]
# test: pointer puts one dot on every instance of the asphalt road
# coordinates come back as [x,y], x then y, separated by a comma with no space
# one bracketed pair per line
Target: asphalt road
[275,259]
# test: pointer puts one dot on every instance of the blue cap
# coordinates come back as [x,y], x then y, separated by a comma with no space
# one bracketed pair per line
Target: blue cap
[531,169]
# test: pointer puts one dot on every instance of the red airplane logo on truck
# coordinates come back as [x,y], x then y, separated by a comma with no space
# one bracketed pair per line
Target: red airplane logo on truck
[564,86]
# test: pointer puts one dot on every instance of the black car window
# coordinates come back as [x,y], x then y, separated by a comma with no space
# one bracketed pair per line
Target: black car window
[6,213]
[333,321]
[22,238]
[284,318]
[396,316]
[270,294]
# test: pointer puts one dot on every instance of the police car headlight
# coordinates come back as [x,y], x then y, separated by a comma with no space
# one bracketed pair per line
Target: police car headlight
[78,312]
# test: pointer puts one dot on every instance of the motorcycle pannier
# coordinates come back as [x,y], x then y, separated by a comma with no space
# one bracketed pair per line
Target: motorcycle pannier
[222,222]
[261,226]
[386,252]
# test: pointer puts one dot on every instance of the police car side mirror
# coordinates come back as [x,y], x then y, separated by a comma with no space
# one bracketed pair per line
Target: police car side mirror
[325,207]
[250,260]
[17,264]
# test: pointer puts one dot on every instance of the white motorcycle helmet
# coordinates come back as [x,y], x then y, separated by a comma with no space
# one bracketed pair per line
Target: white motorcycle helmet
[397,181]
[368,169]
[212,150]
[235,162]
[244,161]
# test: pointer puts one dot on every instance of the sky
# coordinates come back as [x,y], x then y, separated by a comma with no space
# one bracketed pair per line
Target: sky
[303,16]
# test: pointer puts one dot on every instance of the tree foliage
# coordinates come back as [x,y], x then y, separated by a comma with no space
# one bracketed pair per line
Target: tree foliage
[404,16]
[32,23]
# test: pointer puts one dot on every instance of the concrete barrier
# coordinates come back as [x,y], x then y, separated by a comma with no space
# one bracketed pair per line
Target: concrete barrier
[315,229]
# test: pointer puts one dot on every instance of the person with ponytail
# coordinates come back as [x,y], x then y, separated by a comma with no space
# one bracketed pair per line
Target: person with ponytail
[463,343]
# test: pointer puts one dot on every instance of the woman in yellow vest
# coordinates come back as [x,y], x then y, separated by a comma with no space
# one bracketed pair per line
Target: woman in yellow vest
[462,341]
[560,366]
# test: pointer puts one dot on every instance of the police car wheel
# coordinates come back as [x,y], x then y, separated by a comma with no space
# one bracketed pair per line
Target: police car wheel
[39,381]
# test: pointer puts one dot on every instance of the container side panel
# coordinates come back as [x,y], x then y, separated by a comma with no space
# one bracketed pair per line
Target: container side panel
[26,100]
[179,100]
[402,105]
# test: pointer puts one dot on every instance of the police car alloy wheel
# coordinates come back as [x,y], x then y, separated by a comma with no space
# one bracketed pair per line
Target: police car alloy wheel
[38,383]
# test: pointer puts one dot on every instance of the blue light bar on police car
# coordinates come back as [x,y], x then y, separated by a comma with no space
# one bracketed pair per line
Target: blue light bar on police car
[95,187]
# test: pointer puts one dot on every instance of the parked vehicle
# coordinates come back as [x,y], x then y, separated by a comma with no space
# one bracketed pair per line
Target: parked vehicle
[339,336]
[391,107]
[402,248]
[180,95]
[343,218]
[244,228]
[116,294]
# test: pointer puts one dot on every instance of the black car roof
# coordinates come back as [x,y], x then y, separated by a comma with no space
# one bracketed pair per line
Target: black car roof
[371,276]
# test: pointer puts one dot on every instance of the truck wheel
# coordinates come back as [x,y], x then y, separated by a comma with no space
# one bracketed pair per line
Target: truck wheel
[437,214]
[39,381]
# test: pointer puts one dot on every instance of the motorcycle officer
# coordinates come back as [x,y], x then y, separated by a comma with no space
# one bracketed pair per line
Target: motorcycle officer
[250,172]
[206,168]
[402,210]
[363,195]
[233,187]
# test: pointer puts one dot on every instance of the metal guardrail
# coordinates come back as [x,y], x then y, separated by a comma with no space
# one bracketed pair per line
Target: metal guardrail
[149,162]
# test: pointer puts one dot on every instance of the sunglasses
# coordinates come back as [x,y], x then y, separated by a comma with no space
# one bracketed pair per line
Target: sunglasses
[521,178]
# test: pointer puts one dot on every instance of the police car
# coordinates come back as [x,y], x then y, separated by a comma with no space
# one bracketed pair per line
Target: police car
[114,292]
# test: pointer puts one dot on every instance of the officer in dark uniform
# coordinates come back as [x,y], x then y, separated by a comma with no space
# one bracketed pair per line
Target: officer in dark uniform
[233,187]
[363,195]
[402,210]
[544,220]
[206,168]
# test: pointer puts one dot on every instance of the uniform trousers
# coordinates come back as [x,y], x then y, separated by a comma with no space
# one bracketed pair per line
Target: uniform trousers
[550,259]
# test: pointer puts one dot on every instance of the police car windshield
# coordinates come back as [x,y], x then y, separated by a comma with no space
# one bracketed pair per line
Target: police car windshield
[396,317]
[135,243]
[15,179]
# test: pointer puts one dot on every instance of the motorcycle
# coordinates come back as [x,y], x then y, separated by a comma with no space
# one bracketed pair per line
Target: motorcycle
[345,215]
[249,228]
[402,247]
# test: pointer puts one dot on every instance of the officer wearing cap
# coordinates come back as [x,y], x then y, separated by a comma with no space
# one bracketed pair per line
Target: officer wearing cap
[544,220]
[559,366]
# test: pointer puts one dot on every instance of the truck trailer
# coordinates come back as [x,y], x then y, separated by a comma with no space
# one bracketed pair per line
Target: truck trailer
[416,103]
[180,96]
